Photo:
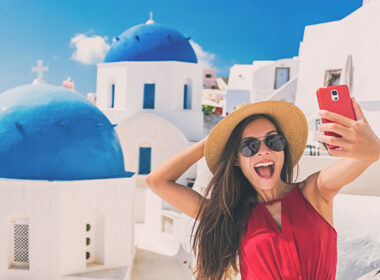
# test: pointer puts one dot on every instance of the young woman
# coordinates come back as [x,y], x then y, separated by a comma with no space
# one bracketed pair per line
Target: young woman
[252,213]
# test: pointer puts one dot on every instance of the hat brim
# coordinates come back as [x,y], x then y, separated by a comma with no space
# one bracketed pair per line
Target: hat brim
[289,117]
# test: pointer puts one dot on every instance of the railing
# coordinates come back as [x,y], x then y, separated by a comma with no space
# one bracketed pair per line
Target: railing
[313,150]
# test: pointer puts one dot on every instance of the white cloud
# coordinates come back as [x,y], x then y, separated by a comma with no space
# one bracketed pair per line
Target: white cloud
[89,49]
[207,59]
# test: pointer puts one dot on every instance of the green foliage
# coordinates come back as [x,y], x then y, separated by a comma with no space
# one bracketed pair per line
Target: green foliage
[211,110]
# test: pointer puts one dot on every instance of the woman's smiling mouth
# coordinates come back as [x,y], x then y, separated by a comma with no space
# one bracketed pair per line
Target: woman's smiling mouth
[265,169]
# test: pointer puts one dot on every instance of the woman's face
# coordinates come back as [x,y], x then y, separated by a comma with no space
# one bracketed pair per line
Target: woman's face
[269,177]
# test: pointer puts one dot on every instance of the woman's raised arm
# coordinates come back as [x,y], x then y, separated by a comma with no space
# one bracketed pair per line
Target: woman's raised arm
[162,180]
[360,148]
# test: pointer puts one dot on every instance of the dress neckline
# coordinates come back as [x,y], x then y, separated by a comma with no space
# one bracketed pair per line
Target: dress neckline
[280,198]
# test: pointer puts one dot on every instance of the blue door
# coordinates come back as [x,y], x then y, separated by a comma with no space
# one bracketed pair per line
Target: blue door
[149,91]
[144,160]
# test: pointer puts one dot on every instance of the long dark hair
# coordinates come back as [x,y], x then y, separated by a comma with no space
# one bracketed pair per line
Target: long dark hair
[224,214]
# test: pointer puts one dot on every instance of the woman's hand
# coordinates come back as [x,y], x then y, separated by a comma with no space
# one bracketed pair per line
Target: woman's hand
[358,140]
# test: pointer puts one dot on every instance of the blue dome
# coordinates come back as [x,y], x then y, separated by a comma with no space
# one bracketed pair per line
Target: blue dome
[52,133]
[151,42]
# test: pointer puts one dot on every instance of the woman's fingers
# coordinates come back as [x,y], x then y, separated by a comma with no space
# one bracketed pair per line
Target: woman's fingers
[357,138]
[358,111]
[333,140]
[337,118]
[336,128]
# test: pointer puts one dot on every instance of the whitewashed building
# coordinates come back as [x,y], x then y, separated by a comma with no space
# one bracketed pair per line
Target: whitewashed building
[342,52]
[66,201]
[263,80]
[150,85]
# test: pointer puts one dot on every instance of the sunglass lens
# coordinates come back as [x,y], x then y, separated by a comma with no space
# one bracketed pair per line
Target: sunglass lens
[250,147]
[276,142]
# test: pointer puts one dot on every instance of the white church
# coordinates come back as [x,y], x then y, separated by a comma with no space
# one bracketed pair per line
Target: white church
[150,85]
[66,201]
[68,207]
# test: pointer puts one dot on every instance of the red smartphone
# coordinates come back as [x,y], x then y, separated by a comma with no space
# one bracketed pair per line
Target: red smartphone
[336,99]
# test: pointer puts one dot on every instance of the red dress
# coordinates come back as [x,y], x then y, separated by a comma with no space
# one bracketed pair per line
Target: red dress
[304,249]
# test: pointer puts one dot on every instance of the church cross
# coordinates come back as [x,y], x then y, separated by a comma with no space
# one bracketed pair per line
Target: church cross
[40,69]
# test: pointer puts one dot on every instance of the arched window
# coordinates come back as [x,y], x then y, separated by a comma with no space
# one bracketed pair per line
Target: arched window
[187,92]
[145,152]
[149,93]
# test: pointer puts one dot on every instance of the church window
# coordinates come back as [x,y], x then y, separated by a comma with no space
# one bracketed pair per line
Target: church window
[112,105]
[20,248]
[208,76]
[89,232]
[332,77]
[144,160]
[149,92]
[186,97]
[282,76]
[94,238]
[187,92]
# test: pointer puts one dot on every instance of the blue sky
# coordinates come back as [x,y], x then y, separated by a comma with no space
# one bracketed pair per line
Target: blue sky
[227,32]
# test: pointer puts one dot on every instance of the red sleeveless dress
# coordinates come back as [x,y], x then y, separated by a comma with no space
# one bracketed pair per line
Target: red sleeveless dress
[305,248]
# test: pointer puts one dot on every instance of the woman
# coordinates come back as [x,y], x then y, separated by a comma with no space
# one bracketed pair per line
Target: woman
[252,212]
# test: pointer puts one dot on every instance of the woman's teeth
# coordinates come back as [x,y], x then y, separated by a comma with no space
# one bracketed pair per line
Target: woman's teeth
[265,170]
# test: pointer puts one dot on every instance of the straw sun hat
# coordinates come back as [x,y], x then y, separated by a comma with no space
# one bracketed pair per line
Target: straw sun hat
[289,117]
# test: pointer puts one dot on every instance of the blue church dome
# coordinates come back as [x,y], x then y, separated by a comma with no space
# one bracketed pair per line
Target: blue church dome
[52,133]
[151,42]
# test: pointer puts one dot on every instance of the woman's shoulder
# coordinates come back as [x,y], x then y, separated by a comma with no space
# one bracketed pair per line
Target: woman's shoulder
[301,185]
[311,193]
[307,188]
[309,183]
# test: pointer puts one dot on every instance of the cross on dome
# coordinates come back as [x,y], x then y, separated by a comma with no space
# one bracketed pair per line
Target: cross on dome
[150,20]
[40,69]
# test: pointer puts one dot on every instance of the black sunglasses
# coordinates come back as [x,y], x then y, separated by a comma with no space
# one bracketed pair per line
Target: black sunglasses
[251,145]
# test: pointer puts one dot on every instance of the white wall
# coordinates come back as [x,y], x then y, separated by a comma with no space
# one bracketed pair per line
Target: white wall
[240,77]
[286,92]
[255,83]
[37,201]
[239,88]
[234,98]
[326,46]
[57,212]
[165,140]
[169,78]
[114,198]
[365,184]
[263,80]
[107,77]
